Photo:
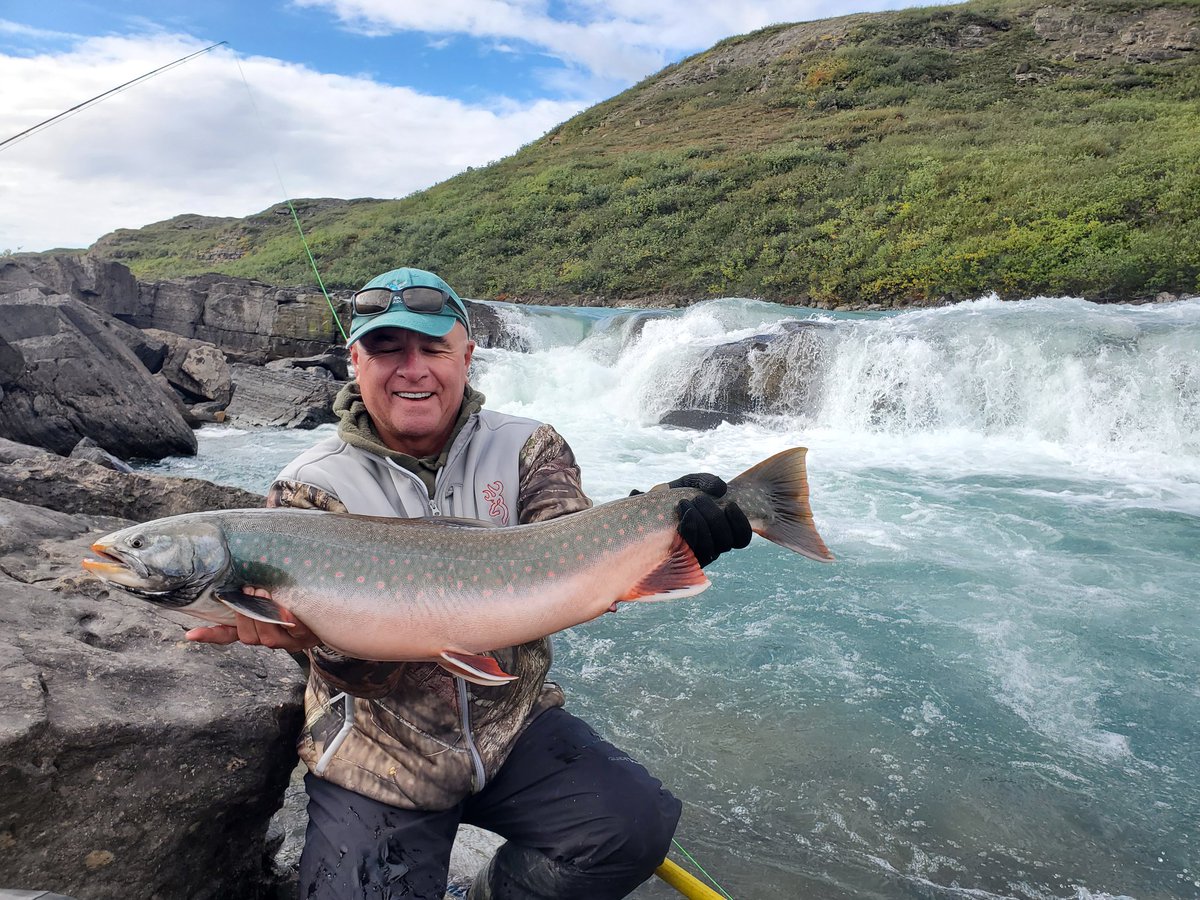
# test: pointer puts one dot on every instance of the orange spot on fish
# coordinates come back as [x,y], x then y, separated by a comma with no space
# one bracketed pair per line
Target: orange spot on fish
[339,574]
[528,569]
[379,585]
[362,579]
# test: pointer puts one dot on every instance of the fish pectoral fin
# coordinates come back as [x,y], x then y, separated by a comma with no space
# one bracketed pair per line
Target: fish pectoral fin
[679,575]
[264,609]
[474,668]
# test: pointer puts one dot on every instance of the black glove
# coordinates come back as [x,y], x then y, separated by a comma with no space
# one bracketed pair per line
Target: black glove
[710,529]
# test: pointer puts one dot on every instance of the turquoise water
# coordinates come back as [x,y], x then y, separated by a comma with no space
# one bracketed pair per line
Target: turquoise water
[994,692]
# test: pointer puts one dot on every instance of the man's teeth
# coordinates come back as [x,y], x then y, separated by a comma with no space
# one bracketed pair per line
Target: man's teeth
[413,395]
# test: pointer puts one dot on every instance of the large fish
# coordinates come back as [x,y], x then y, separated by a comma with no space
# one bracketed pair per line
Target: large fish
[439,589]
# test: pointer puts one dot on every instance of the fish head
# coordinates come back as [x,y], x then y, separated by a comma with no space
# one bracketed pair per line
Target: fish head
[170,561]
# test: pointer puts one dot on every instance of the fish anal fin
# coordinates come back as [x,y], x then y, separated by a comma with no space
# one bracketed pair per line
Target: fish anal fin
[264,609]
[474,668]
[678,575]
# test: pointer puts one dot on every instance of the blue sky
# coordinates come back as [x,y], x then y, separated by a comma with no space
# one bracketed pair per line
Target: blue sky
[310,98]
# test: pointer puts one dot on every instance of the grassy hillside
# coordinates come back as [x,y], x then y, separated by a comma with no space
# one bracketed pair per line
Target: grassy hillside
[944,152]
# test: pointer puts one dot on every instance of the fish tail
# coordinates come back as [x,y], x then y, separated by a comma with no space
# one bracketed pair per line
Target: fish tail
[774,496]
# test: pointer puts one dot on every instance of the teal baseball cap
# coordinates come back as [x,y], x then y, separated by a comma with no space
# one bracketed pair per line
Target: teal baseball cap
[406,298]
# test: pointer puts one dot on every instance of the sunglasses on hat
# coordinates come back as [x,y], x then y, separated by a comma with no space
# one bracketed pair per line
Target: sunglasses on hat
[416,298]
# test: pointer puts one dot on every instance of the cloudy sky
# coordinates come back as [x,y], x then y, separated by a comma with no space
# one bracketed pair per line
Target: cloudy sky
[309,98]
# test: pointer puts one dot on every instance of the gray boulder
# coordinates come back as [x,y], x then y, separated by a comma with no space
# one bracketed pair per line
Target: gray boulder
[774,373]
[196,368]
[334,364]
[290,399]
[132,763]
[81,487]
[489,328]
[93,452]
[66,375]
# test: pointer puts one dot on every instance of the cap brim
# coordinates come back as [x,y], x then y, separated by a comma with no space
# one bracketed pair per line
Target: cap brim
[398,317]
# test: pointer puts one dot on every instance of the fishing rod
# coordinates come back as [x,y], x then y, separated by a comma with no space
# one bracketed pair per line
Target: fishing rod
[80,107]
[686,883]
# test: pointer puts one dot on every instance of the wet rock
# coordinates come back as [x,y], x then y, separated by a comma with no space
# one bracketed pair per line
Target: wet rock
[290,399]
[490,328]
[774,373]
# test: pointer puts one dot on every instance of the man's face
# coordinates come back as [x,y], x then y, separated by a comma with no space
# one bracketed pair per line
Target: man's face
[412,385]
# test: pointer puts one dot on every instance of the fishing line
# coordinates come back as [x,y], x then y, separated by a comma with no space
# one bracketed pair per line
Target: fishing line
[80,107]
[295,216]
[692,860]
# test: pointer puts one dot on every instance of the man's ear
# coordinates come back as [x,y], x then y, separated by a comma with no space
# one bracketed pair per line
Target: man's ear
[470,351]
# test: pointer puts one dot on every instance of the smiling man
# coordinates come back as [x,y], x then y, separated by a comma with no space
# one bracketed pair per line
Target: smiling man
[401,753]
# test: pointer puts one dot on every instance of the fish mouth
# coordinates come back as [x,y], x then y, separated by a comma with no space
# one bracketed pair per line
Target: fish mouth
[113,568]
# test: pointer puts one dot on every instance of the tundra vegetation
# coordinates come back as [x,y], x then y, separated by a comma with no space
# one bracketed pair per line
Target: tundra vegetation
[891,158]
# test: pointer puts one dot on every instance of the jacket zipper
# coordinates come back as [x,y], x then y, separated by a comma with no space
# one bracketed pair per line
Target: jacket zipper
[480,778]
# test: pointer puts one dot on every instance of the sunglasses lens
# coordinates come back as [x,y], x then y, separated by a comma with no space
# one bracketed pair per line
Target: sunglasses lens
[372,301]
[424,299]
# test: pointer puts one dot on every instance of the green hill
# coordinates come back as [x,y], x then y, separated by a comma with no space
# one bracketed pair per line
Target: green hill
[897,157]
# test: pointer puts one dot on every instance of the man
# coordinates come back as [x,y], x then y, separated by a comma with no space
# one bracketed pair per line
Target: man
[400,753]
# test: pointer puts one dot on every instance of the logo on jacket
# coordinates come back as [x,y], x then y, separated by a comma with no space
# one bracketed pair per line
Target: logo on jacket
[494,495]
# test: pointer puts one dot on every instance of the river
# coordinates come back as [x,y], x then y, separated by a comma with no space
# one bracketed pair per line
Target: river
[995,690]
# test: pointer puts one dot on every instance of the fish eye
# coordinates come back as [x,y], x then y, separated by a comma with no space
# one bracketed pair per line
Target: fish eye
[137,543]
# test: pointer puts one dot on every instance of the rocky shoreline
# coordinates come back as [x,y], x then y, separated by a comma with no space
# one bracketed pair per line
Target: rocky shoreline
[134,763]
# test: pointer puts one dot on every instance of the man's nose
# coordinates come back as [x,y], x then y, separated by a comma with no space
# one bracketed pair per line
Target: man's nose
[411,365]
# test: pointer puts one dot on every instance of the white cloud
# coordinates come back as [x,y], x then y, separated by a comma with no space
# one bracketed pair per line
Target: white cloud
[194,139]
[620,40]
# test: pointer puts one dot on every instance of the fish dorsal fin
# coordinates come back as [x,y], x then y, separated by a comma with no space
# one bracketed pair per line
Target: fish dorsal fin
[679,575]
[264,609]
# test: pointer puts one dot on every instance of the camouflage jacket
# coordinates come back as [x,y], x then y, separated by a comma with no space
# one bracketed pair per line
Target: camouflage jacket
[410,734]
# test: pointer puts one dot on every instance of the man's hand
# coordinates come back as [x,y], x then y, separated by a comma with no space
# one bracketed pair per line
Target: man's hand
[709,529]
[295,639]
